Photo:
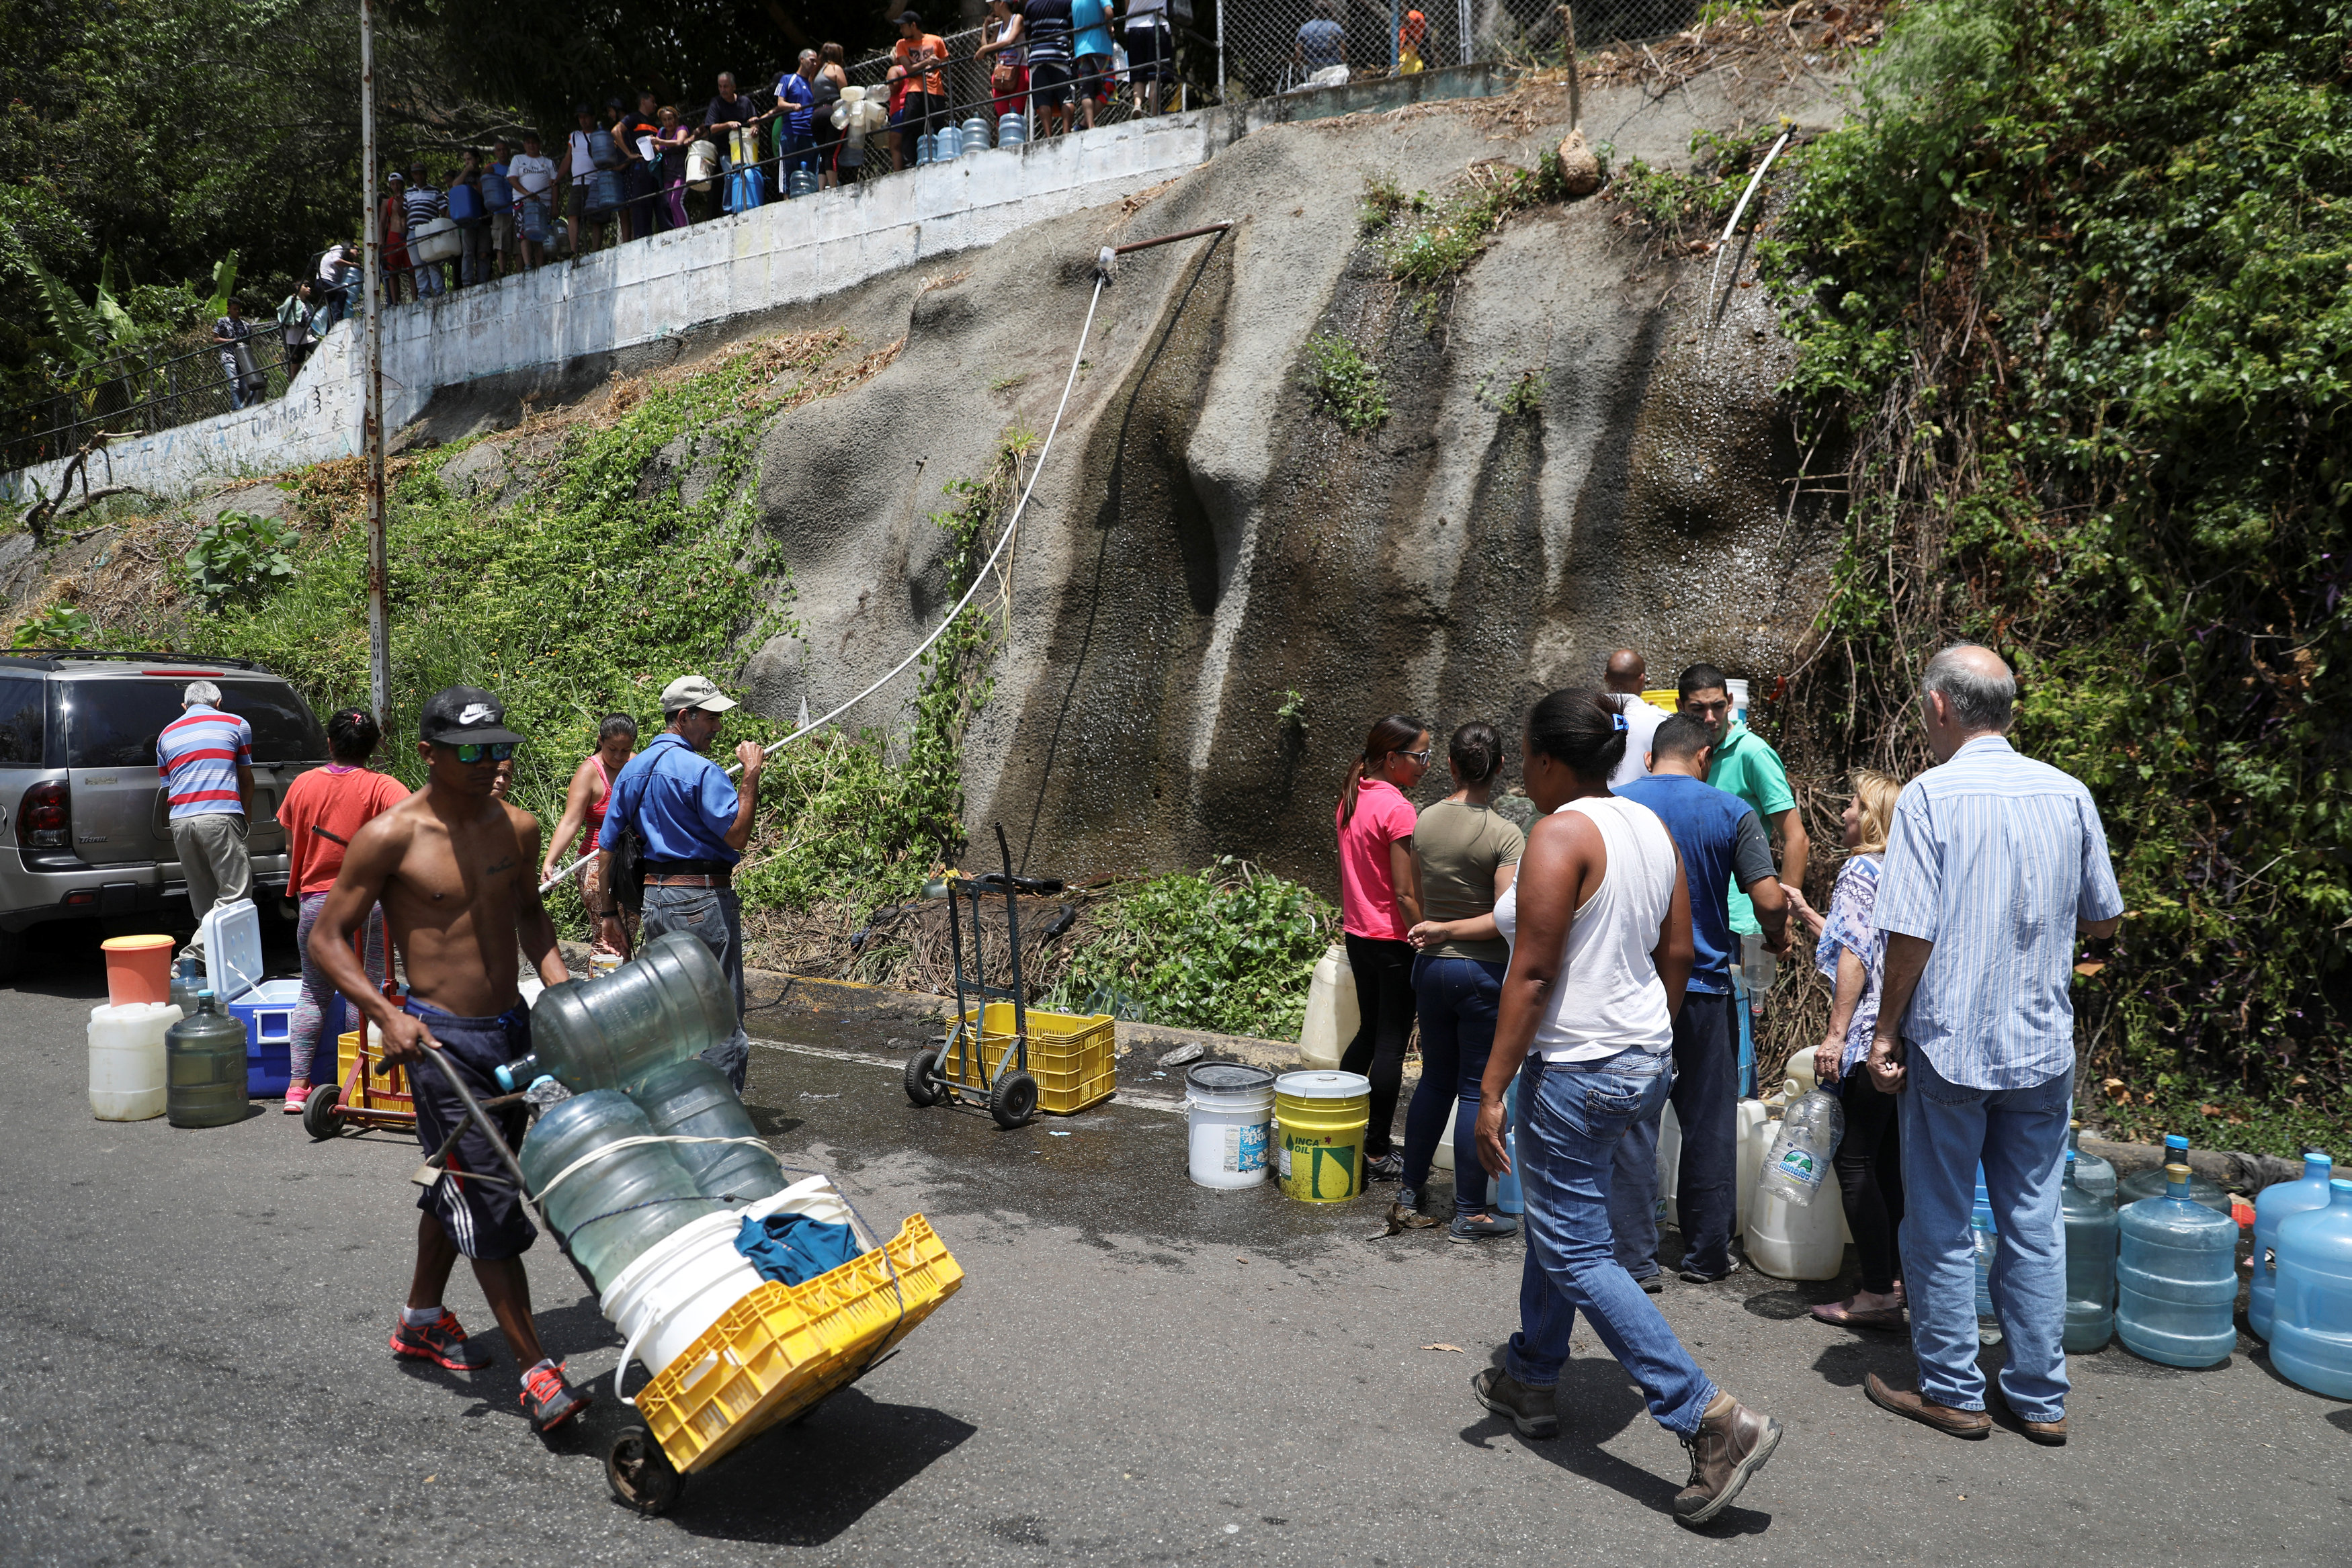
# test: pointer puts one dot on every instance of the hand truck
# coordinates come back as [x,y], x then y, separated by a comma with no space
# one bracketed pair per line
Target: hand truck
[958,1068]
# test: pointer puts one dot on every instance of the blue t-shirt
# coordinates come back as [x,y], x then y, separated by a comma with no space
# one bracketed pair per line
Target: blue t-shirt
[1722,842]
[681,802]
[1091,18]
[793,92]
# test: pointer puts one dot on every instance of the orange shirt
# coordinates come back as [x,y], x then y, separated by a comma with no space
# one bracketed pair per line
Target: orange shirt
[330,800]
[904,51]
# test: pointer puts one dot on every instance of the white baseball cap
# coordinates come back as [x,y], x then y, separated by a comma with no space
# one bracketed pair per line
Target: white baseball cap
[694,691]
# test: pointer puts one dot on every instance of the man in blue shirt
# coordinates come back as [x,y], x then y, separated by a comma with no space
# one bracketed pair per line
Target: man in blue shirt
[693,824]
[1722,842]
[1994,864]
[796,112]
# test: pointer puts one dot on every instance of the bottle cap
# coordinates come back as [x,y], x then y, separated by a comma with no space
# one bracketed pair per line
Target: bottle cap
[2070,1158]
[2342,1189]
[2177,1174]
[2175,1141]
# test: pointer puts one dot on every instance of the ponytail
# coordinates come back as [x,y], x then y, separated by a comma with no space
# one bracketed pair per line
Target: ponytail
[1475,751]
[1394,733]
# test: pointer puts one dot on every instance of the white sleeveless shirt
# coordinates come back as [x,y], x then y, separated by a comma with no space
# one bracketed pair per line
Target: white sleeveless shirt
[1609,997]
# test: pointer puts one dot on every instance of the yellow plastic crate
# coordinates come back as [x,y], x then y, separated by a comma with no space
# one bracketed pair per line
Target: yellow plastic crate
[375,1092]
[784,1347]
[1073,1057]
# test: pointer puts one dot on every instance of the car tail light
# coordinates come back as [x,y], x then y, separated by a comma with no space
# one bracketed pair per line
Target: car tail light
[44,819]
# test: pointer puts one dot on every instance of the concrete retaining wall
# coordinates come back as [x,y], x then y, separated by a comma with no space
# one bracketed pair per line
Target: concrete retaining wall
[779,254]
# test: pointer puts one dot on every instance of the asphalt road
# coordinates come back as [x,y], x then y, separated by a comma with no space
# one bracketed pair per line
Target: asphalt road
[192,1325]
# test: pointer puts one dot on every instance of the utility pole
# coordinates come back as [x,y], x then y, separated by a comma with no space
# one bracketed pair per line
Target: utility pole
[372,424]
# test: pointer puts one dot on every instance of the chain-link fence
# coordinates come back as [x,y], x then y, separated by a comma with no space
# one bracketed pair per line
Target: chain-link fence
[157,389]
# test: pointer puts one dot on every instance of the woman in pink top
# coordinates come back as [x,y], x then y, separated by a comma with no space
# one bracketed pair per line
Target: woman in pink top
[1379,901]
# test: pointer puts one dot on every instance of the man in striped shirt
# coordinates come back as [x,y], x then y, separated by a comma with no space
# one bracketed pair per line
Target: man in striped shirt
[1995,863]
[206,757]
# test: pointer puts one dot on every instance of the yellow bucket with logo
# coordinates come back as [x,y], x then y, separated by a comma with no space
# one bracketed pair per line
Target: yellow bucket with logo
[1322,1117]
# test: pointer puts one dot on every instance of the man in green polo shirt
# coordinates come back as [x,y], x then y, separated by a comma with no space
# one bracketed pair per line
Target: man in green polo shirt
[1748,767]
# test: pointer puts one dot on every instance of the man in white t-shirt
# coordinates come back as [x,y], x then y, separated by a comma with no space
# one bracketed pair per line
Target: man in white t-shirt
[1624,677]
[532,173]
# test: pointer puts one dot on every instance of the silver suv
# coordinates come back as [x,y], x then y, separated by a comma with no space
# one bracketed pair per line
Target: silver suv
[84,829]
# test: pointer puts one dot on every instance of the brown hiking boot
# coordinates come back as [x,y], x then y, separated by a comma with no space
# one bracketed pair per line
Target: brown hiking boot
[1732,1444]
[2048,1434]
[1528,1409]
[1911,1407]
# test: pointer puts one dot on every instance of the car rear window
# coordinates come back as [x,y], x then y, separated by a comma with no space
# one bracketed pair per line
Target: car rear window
[24,709]
[114,724]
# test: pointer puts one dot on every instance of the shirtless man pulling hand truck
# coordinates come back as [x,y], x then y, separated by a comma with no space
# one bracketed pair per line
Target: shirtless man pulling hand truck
[453,868]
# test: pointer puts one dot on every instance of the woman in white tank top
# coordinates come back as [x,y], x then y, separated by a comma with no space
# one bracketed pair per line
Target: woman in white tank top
[1600,925]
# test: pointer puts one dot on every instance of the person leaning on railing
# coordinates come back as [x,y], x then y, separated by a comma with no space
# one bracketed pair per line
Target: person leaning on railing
[921,54]
[1150,52]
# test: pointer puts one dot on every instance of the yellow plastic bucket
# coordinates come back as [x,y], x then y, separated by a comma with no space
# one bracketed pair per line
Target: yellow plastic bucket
[1322,1117]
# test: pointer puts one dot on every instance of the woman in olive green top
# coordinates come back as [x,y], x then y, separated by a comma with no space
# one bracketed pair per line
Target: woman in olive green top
[1468,854]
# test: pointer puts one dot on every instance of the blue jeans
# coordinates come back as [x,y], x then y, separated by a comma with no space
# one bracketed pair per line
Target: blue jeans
[713,916]
[2019,1135]
[1571,1118]
[1456,1000]
[1705,1098]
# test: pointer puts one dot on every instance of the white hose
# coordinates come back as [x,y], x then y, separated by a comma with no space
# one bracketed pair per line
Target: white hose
[978,578]
[1723,244]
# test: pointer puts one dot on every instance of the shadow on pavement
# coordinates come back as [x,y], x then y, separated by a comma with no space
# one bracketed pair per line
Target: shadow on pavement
[804,1484]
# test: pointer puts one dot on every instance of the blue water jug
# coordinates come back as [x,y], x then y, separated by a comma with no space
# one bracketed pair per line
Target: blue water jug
[923,146]
[947,146]
[1508,1197]
[2311,1342]
[1011,131]
[2098,1177]
[692,1099]
[612,1208]
[2092,1229]
[2177,1278]
[2272,1206]
[1988,1245]
[975,135]
[2150,1184]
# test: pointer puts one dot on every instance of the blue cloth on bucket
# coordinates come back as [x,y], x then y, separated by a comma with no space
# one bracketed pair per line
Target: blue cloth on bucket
[794,1248]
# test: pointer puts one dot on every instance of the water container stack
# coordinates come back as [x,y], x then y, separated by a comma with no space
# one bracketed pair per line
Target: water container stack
[2273,1205]
[2177,1278]
[2092,1226]
[1012,131]
[2311,1332]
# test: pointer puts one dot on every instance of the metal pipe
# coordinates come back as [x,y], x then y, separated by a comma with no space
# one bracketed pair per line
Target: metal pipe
[371,422]
[1172,239]
[1222,95]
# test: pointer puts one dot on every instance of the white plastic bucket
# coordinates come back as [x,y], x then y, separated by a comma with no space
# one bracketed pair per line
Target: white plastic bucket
[126,1060]
[1232,1123]
[665,1299]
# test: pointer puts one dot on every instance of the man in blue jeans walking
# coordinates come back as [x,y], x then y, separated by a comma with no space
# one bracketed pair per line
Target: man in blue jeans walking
[693,824]
[1994,864]
[1723,844]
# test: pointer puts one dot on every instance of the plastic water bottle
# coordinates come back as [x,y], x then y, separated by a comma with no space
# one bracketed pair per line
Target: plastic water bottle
[1507,1198]
[2092,1229]
[2177,1278]
[2148,1184]
[670,1002]
[2095,1175]
[2311,1341]
[1987,1320]
[2271,1207]
[1800,1152]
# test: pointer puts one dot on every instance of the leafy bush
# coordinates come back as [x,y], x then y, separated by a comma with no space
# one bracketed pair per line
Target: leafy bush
[58,626]
[1438,239]
[1344,383]
[241,557]
[1228,947]
[2075,292]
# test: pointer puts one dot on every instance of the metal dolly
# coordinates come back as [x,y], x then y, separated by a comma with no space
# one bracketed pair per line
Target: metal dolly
[957,1068]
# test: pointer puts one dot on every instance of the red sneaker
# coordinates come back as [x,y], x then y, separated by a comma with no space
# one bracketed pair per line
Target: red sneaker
[442,1342]
[550,1401]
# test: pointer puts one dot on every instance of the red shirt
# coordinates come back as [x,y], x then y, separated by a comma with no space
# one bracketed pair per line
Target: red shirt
[1368,905]
[330,800]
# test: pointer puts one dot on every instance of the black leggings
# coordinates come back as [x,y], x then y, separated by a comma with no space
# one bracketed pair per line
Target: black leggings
[1870,1178]
[1385,999]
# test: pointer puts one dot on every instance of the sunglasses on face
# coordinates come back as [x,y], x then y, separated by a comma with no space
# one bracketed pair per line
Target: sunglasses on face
[473,751]
[1421,756]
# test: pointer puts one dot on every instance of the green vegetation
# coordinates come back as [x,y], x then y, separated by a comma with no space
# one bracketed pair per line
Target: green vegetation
[1684,209]
[1292,714]
[240,557]
[1426,242]
[1523,399]
[2074,296]
[1344,383]
[58,626]
[1228,948]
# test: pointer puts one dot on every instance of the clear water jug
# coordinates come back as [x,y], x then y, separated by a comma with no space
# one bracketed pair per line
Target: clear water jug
[2177,1278]
[2311,1336]
[1011,131]
[613,1209]
[2148,1184]
[2092,1229]
[2095,1175]
[669,1002]
[2271,1207]
[1987,1248]
[692,1099]
[203,1063]
[1799,1159]
[1509,1197]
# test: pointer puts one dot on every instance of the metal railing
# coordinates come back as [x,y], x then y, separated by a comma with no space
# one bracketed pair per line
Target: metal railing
[156,389]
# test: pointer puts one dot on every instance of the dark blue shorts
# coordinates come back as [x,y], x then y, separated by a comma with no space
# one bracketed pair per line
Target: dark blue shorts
[485,1221]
